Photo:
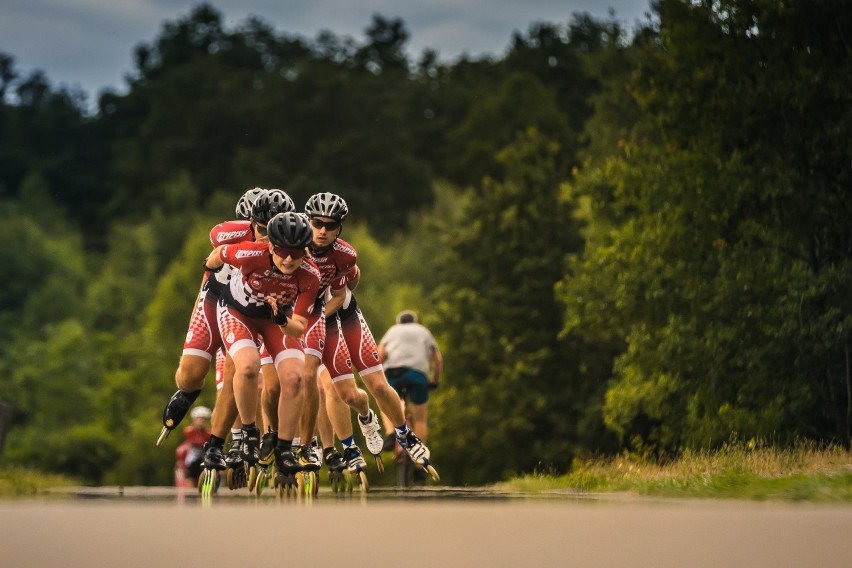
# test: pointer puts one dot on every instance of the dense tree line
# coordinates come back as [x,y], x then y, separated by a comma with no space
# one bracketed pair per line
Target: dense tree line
[623,240]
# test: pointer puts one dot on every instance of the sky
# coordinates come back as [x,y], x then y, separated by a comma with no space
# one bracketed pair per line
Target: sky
[88,44]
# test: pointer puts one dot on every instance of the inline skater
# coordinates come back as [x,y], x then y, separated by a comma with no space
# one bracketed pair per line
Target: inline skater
[351,341]
[202,338]
[271,298]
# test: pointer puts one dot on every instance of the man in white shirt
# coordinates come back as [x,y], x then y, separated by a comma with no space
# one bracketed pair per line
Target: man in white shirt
[413,365]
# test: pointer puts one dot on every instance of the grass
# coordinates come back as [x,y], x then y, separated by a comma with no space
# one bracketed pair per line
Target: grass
[19,482]
[736,471]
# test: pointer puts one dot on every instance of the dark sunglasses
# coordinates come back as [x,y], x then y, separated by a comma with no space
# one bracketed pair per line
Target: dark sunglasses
[284,252]
[328,225]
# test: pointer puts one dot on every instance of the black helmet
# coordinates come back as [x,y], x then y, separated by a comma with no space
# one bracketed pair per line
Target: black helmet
[246,201]
[269,204]
[291,230]
[327,205]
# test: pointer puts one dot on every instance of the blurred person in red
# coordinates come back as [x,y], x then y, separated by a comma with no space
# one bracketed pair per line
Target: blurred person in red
[189,455]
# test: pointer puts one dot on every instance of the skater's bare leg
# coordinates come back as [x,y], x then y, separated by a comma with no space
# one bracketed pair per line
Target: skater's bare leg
[270,395]
[386,397]
[246,375]
[310,405]
[290,375]
[326,432]
[419,416]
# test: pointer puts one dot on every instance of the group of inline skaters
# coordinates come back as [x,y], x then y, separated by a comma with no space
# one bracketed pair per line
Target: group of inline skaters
[277,312]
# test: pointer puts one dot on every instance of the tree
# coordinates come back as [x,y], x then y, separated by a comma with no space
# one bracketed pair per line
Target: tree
[716,252]
[511,401]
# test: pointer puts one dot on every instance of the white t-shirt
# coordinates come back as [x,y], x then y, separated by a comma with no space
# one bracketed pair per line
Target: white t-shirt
[409,345]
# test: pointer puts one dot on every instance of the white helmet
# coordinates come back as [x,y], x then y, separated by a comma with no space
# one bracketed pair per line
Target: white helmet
[246,201]
[200,412]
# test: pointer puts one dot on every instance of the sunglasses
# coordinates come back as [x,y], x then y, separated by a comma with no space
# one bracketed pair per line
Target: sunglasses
[328,225]
[284,252]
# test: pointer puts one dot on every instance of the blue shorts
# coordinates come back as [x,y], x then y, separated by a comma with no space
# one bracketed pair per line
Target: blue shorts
[409,383]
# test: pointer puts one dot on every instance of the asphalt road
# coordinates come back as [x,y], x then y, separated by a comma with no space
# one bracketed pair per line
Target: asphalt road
[157,527]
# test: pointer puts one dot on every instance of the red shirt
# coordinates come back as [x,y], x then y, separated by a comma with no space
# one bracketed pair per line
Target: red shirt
[259,278]
[227,232]
[335,262]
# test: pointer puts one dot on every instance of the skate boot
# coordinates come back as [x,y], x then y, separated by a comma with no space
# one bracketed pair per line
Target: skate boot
[355,466]
[316,449]
[335,465]
[214,462]
[174,412]
[307,459]
[250,449]
[250,452]
[287,466]
[267,458]
[213,457]
[373,437]
[235,475]
[418,452]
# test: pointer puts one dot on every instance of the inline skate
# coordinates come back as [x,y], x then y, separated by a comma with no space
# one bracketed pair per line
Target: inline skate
[265,462]
[287,466]
[235,476]
[175,410]
[355,466]
[214,463]
[250,453]
[373,437]
[310,466]
[336,466]
[418,452]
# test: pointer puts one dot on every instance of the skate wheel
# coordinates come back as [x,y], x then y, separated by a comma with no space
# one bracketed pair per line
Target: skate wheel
[433,472]
[208,482]
[164,433]
[229,479]
[335,479]
[261,482]
[308,483]
[300,483]
[252,478]
[362,477]
[380,465]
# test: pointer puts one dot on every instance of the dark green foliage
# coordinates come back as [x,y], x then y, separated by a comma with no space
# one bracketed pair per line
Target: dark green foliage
[510,398]
[721,253]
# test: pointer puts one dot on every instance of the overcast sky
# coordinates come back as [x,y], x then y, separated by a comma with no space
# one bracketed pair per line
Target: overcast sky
[89,43]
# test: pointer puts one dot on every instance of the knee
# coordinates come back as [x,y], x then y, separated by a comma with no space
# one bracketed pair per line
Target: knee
[349,396]
[190,375]
[247,371]
[292,382]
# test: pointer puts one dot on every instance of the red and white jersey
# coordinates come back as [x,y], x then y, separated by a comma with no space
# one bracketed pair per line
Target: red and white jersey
[259,278]
[228,232]
[335,263]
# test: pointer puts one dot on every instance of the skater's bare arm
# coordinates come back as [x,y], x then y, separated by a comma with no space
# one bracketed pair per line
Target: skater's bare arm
[296,326]
[214,259]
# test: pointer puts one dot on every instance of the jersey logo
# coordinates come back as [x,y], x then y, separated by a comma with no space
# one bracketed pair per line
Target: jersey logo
[228,235]
[249,253]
